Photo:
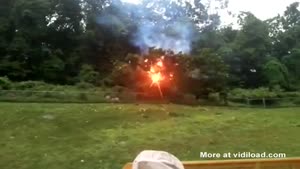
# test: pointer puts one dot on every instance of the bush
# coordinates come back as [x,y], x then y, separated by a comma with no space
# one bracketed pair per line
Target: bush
[83,96]
[107,82]
[88,74]
[5,83]
[84,85]
[296,101]
[36,85]
[127,96]
[118,89]
[214,97]
[276,73]
[28,93]
[290,94]
[47,95]
[123,75]
[189,99]
[252,93]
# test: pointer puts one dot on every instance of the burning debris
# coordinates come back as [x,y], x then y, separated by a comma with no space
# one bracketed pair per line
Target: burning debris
[158,72]
[152,77]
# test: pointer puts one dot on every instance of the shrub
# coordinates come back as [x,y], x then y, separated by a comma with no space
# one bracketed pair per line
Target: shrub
[83,96]
[118,89]
[47,95]
[276,73]
[88,74]
[290,94]
[84,85]
[5,83]
[239,93]
[122,75]
[107,82]
[189,99]
[296,101]
[214,97]
[252,93]
[263,92]
[28,93]
[127,96]
[36,85]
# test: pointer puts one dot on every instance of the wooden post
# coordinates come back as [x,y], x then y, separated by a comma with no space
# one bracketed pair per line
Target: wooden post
[264,102]
[248,101]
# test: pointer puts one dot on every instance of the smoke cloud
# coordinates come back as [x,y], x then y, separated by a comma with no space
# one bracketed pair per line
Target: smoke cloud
[176,36]
[175,33]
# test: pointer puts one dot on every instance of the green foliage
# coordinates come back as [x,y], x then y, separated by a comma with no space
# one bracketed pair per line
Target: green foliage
[123,75]
[39,92]
[292,61]
[5,83]
[276,73]
[65,42]
[88,74]
[53,68]
[13,69]
[249,51]
[276,95]
[252,93]
[84,85]
[214,97]
[31,85]
[296,101]
[83,96]
[209,73]
[291,16]
[47,95]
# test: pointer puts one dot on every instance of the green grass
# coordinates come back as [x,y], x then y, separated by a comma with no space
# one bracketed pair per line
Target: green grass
[95,136]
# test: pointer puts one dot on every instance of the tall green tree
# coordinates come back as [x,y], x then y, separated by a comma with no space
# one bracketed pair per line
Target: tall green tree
[276,74]
[251,47]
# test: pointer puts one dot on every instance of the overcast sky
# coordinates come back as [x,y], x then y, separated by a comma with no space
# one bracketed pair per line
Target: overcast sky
[263,9]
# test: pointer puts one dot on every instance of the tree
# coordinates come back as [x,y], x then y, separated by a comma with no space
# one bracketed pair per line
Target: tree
[291,17]
[276,74]
[88,74]
[251,47]
[53,68]
[208,73]
[285,31]
[292,61]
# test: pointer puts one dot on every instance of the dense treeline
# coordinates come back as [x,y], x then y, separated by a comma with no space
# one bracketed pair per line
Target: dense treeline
[68,41]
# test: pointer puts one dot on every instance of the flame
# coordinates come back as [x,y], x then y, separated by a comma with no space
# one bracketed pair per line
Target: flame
[156,78]
[159,63]
[152,70]
[157,73]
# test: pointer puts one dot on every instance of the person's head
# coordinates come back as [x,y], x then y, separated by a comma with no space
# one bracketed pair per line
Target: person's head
[156,160]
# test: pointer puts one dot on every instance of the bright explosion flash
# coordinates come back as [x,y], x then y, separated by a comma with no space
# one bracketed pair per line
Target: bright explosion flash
[156,78]
[156,75]
[159,72]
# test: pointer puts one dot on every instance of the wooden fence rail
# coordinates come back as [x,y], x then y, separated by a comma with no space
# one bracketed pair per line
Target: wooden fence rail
[284,163]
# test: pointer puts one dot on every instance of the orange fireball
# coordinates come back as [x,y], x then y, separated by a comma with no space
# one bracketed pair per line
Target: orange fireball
[157,73]
[156,78]
[160,63]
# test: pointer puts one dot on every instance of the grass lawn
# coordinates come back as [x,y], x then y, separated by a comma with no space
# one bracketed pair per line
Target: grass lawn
[95,136]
